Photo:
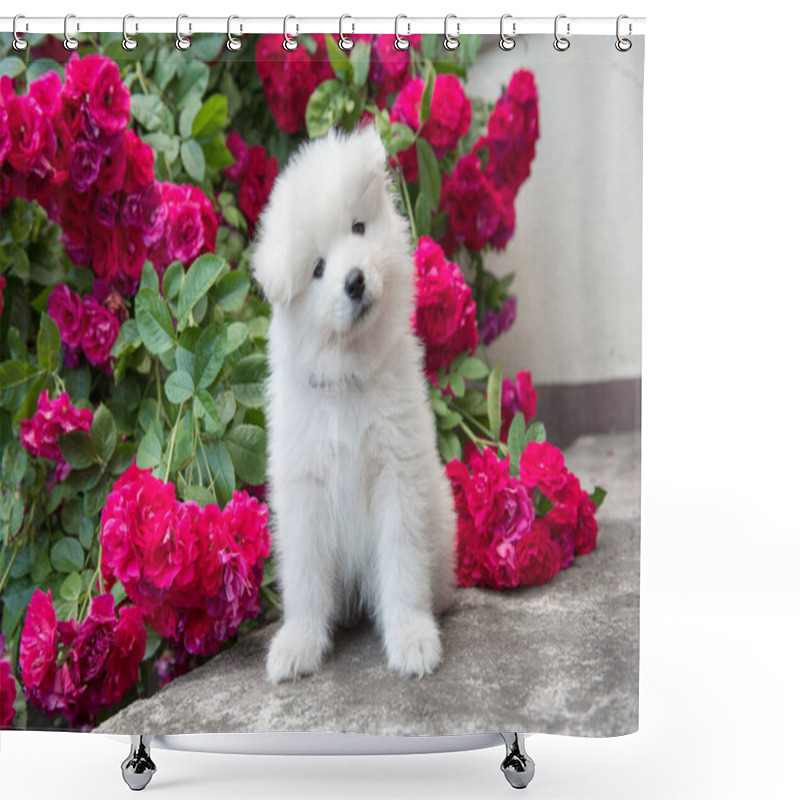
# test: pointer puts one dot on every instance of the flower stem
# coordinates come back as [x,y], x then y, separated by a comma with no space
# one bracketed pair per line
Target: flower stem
[172,437]
[407,202]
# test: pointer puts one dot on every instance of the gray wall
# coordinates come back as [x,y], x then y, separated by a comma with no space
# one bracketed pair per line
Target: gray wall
[577,248]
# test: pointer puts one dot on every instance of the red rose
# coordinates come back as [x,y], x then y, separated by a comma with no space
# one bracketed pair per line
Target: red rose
[257,184]
[39,435]
[127,652]
[139,163]
[538,555]
[541,466]
[38,648]
[101,329]
[66,309]
[8,693]
[111,174]
[27,128]
[109,99]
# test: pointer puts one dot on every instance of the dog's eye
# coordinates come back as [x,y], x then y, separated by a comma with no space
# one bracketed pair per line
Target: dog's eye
[319,267]
[359,228]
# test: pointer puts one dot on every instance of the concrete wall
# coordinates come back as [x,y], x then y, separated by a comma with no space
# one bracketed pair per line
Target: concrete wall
[578,244]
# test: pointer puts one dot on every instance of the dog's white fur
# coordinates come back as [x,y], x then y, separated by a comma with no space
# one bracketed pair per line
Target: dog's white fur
[363,514]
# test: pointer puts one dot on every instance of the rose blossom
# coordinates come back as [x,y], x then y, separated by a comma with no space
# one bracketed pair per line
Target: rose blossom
[101,329]
[8,687]
[39,435]
[538,554]
[98,662]
[109,99]
[27,127]
[65,307]
[257,184]
[444,316]
[86,161]
[541,466]
[139,163]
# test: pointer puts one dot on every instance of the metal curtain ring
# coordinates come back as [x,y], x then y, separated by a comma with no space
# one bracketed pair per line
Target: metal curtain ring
[70,42]
[345,42]
[181,42]
[233,43]
[623,45]
[561,43]
[451,42]
[18,41]
[400,42]
[289,44]
[507,42]
[128,42]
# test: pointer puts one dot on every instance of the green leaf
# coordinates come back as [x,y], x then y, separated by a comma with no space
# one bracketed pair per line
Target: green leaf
[359,58]
[199,279]
[449,446]
[340,63]
[199,494]
[247,380]
[104,433]
[226,406]
[326,107]
[128,339]
[95,499]
[427,96]
[430,177]
[179,387]
[187,116]
[122,458]
[422,214]
[211,117]
[151,113]
[149,452]
[205,407]
[86,533]
[247,447]
[172,280]
[536,432]
[222,472]
[15,378]
[217,154]
[164,143]
[494,392]
[400,137]
[149,278]
[154,321]
[11,66]
[66,555]
[209,353]
[516,441]
[237,336]
[152,643]
[597,496]
[192,81]
[39,66]
[183,440]
[70,587]
[48,344]
[193,160]
[450,420]
[231,289]
[77,449]
[457,384]
[473,369]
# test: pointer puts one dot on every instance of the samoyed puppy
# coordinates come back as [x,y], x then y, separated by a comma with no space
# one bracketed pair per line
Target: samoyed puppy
[364,520]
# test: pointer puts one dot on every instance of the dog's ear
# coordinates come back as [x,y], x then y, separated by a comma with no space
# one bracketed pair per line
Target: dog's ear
[271,261]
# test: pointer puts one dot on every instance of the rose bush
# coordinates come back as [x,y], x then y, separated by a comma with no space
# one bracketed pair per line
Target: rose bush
[134,538]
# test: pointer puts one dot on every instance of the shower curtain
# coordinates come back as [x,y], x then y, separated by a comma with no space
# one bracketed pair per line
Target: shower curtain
[139,583]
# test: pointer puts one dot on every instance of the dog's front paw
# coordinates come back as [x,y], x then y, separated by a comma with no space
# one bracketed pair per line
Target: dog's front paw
[413,646]
[295,651]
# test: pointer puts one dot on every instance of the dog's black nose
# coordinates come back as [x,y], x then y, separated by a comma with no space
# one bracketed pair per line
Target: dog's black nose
[354,284]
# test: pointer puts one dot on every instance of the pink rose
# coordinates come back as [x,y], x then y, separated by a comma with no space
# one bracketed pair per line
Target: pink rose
[541,466]
[66,309]
[539,557]
[8,693]
[139,163]
[101,329]
[46,91]
[109,99]
[127,652]
[27,127]
[445,311]
[240,152]
[39,435]
[86,163]
[38,649]
[111,174]
[257,184]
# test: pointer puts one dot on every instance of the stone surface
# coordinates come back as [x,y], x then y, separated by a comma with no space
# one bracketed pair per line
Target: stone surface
[561,658]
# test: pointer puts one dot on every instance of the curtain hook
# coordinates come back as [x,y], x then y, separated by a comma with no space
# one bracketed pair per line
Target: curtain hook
[233,43]
[451,42]
[19,41]
[561,43]
[623,45]
[128,42]
[507,42]
[345,42]
[289,44]
[400,42]
[70,42]
[181,42]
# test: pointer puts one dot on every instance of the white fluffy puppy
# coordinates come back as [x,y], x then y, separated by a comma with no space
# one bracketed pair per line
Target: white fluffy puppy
[364,518]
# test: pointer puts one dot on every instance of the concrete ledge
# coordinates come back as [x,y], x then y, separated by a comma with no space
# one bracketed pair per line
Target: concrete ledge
[561,658]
